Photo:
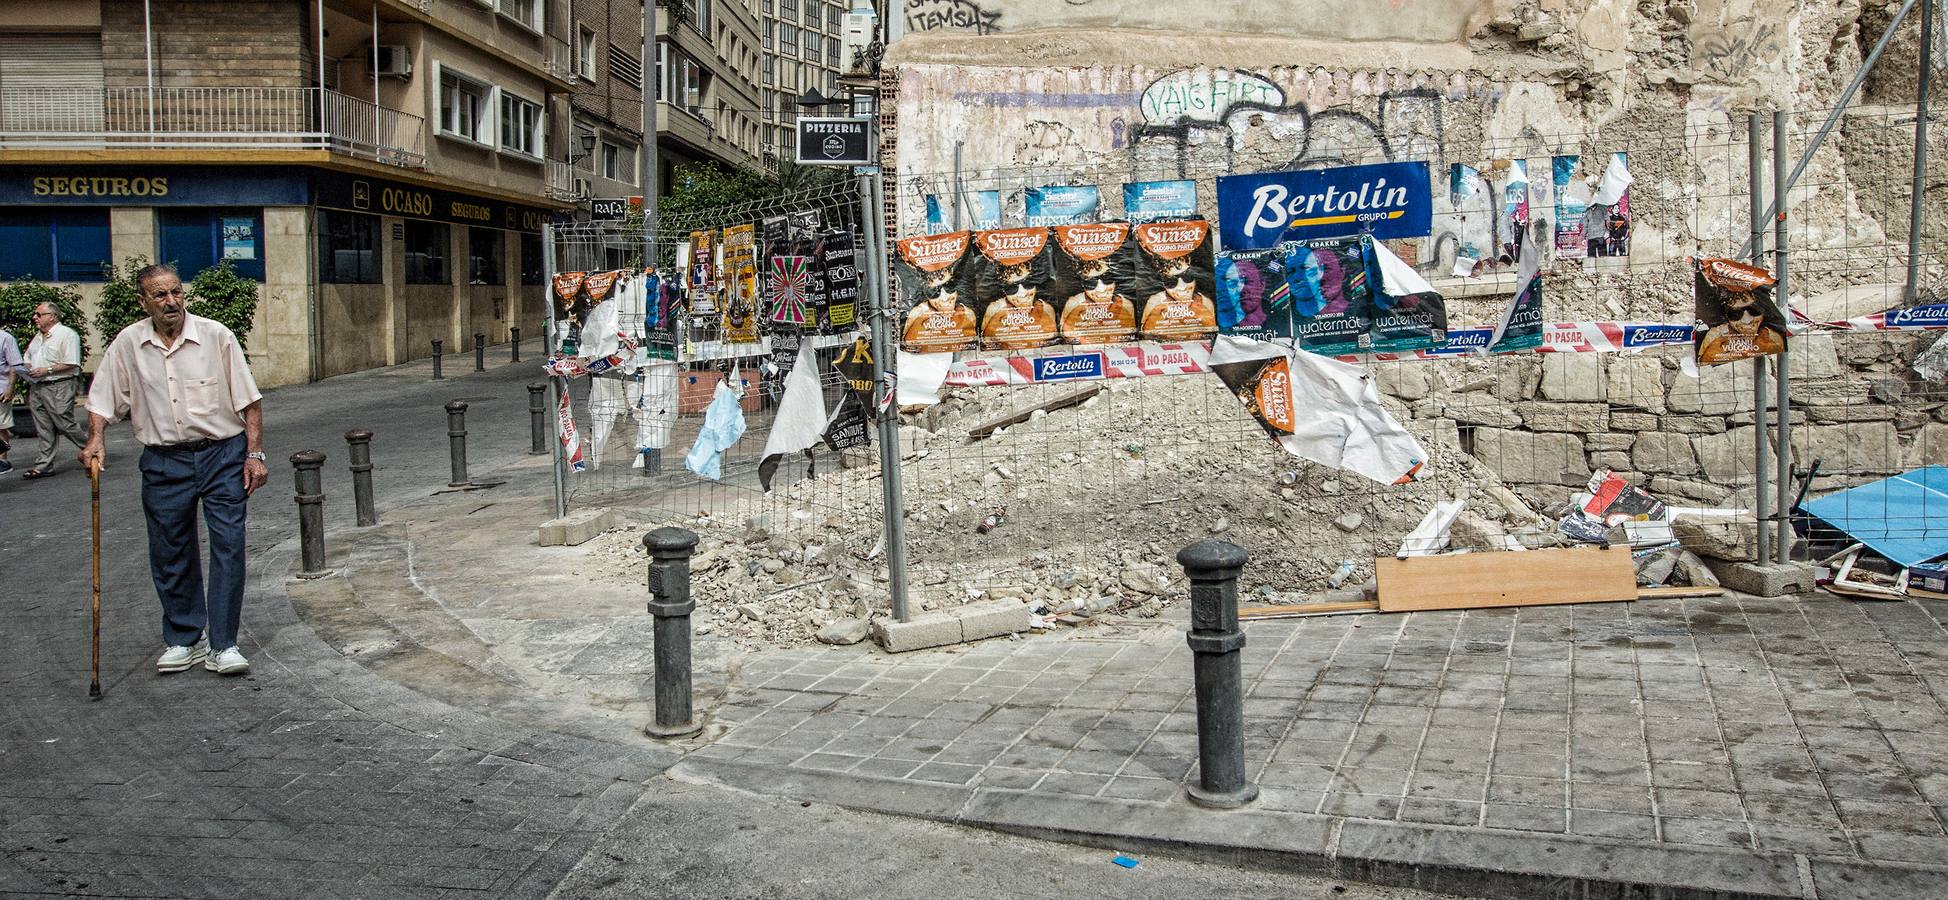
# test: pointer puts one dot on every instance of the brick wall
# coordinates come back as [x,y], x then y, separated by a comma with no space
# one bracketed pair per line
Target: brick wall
[240,43]
[616,100]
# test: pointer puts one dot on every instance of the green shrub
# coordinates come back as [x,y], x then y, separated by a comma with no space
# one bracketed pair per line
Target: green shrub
[220,293]
[17,302]
[119,306]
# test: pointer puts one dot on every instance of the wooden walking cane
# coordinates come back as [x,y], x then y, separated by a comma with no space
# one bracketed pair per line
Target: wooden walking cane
[94,499]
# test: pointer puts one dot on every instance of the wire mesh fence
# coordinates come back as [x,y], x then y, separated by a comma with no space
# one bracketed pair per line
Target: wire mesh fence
[1077,491]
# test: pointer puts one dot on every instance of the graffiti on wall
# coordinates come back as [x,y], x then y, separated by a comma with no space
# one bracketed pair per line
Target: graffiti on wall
[1730,38]
[951,15]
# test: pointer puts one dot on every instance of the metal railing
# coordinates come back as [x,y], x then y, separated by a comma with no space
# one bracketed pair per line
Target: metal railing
[558,58]
[236,118]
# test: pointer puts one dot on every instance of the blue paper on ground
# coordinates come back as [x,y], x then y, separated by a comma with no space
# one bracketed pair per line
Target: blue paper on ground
[1125,862]
[1904,518]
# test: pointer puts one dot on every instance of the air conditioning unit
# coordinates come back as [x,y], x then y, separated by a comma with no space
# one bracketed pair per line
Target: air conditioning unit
[860,32]
[584,189]
[395,61]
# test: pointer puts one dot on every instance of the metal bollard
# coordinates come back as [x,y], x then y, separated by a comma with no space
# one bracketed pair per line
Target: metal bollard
[311,512]
[514,340]
[479,352]
[670,604]
[436,361]
[1217,647]
[359,443]
[537,418]
[456,440]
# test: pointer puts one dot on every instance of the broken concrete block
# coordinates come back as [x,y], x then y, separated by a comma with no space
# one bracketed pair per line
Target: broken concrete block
[576,527]
[972,622]
[1763,579]
[843,631]
[986,620]
[1407,381]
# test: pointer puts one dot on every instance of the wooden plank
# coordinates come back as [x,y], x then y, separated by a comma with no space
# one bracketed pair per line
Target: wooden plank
[1666,593]
[1482,580]
[1298,610]
[1015,418]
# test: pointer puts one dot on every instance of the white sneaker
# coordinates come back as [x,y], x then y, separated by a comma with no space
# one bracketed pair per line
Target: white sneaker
[227,662]
[178,659]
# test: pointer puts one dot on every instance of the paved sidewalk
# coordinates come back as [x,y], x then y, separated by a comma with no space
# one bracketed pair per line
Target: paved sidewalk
[1721,747]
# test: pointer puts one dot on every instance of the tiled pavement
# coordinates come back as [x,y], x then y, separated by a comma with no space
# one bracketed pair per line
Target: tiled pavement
[1796,731]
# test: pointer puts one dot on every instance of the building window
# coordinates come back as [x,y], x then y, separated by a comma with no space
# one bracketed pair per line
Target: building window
[463,106]
[832,18]
[811,14]
[769,28]
[349,248]
[787,38]
[585,53]
[484,257]
[525,12]
[53,244]
[619,162]
[832,50]
[520,125]
[194,239]
[812,46]
[700,15]
[531,269]
[695,80]
[426,250]
[788,9]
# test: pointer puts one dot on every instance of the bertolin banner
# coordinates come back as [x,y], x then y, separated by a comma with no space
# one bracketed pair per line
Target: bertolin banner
[1389,200]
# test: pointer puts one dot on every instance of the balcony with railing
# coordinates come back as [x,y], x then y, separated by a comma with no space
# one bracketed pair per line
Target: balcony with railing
[210,118]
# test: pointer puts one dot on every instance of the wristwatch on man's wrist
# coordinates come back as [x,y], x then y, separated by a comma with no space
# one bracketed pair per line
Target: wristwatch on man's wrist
[257,455]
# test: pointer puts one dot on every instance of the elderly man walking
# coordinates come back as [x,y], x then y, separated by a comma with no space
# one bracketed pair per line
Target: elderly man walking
[182,382]
[54,367]
[9,361]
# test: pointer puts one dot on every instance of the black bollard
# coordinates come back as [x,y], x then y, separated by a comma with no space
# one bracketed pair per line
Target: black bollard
[456,440]
[436,361]
[311,512]
[1217,647]
[670,604]
[359,443]
[514,340]
[479,352]
[537,418]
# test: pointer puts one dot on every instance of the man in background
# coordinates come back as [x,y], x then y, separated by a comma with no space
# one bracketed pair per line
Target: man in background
[54,366]
[9,361]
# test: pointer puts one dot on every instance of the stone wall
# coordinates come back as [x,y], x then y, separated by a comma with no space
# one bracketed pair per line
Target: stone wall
[242,43]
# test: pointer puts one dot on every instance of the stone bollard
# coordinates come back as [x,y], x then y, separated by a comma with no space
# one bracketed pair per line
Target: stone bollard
[514,341]
[1217,647]
[359,442]
[456,441]
[311,512]
[537,418]
[670,604]
[479,352]
[437,345]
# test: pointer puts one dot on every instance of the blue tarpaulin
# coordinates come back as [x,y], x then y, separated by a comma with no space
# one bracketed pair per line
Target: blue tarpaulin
[1904,518]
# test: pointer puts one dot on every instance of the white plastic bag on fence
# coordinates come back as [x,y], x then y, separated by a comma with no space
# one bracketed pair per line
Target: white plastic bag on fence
[800,423]
[723,424]
[607,402]
[599,339]
[655,407]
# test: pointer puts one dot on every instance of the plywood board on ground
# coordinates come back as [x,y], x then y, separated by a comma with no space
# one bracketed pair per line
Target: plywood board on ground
[1530,578]
[1297,610]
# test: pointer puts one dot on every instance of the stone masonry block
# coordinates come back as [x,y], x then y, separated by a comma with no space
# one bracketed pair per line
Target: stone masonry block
[993,619]
[576,527]
[1636,382]
[1763,579]
[1572,376]
[1718,390]
[1523,458]
[1670,454]
[1633,422]
[967,623]
[1574,418]
[1605,441]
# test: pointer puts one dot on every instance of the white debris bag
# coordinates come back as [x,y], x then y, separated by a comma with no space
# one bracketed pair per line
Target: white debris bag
[1318,408]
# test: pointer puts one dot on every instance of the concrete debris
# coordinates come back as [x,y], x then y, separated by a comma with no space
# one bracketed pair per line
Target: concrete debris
[843,631]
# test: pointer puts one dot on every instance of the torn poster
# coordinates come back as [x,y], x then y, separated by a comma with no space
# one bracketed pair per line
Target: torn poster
[571,440]
[920,377]
[981,208]
[1408,314]
[1512,225]
[655,406]
[1520,324]
[847,428]
[855,364]
[1319,409]
[1061,204]
[607,404]
[1610,210]
[723,424]
[1572,204]
[1736,318]
[836,286]
[800,423]
[740,285]
[1155,201]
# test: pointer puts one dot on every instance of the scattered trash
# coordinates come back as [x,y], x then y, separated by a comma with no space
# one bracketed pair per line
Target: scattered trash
[1431,535]
[1127,862]
[992,520]
[1344,572]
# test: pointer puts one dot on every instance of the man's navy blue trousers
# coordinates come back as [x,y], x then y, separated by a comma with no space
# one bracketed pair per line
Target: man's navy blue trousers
[174,481]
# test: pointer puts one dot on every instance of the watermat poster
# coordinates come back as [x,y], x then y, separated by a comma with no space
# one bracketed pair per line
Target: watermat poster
[983,207]
[1152,201]
[1062,205]
[1389,200]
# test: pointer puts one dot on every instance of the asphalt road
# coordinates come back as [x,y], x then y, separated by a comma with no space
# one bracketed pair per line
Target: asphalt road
[314,778]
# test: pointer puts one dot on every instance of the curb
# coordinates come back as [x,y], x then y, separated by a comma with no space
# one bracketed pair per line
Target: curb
[1480,862]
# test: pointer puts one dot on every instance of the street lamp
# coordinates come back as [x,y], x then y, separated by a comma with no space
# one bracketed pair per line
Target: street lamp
[812,99]
[588,148]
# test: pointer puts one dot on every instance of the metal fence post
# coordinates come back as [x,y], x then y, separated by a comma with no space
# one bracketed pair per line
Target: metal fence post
[1755,159]
[1918,193]
[359,443]
[514,341]
[670,605]
[479,352]
[456,440]
[437,345]
[888,413]
[311,512]
[1217,647]
[1782,364]
[537,418]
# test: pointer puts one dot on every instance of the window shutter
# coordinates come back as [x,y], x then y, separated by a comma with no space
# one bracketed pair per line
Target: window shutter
[53,82]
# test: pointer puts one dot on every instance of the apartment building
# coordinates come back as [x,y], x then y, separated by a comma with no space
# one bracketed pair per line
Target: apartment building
[382,167]
[802,50]
[708,105]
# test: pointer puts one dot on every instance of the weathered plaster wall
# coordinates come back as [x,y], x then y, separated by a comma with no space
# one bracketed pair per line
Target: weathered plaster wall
[1401,20]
